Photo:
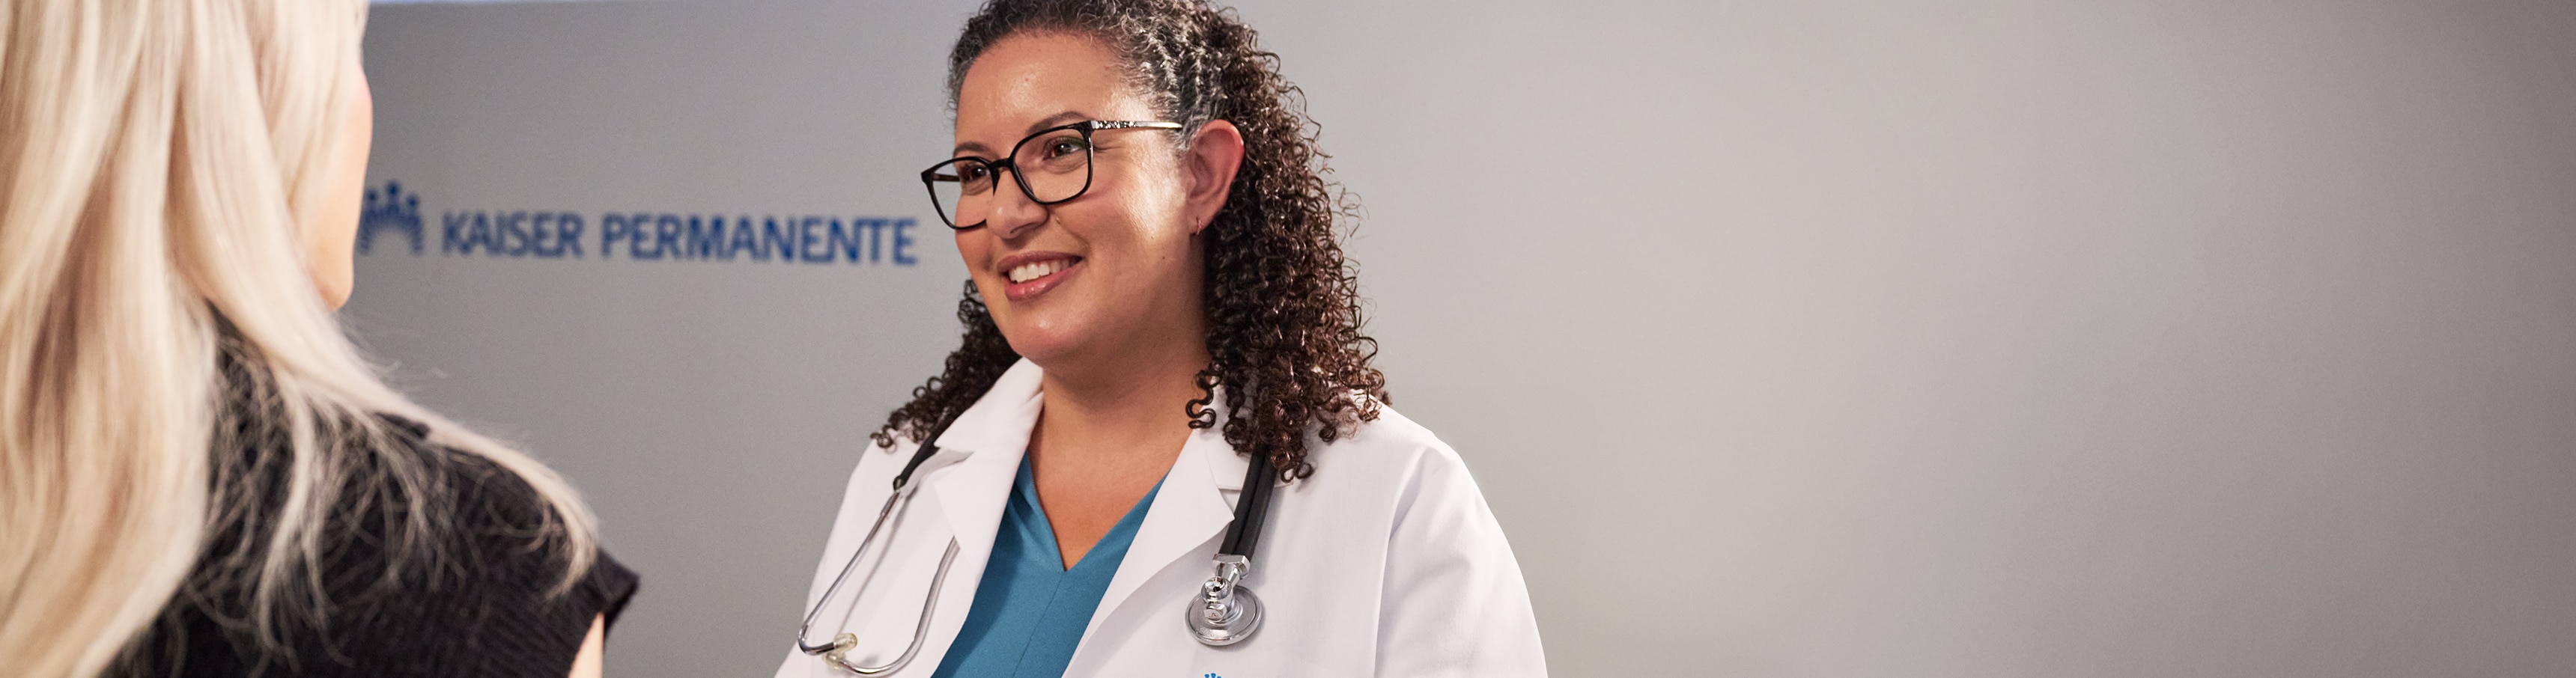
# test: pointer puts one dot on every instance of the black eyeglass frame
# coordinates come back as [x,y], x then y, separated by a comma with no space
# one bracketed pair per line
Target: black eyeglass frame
[930,177]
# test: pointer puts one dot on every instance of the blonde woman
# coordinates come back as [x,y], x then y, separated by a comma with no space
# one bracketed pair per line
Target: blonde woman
[199,475]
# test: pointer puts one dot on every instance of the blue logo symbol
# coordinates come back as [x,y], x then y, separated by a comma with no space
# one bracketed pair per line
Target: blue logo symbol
[389,210]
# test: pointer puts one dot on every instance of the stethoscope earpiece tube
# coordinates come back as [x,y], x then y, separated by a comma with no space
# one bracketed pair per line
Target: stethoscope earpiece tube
[836,652]
[929,446]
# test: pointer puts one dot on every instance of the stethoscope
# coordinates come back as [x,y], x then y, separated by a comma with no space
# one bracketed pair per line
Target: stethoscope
[1224,613]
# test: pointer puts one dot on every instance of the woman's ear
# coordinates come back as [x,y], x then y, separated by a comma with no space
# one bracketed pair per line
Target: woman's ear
[1216,153]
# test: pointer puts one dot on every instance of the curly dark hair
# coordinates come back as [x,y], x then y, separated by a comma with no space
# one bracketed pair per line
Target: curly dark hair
[1283,304]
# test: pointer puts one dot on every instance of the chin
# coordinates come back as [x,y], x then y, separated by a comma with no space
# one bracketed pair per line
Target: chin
[1044,340]
[1039,346]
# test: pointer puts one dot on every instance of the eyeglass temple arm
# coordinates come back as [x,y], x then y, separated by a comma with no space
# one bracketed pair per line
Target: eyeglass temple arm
[1124,124]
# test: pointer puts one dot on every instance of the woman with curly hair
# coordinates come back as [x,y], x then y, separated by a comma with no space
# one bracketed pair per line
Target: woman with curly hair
[1162,369]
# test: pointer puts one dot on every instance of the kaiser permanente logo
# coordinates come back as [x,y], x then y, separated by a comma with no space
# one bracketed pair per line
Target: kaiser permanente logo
[638,236]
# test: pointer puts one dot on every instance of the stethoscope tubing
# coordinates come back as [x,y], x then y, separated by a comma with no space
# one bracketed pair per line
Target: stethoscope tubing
[841,643]
[853,565]
[1225,614]
[836,651]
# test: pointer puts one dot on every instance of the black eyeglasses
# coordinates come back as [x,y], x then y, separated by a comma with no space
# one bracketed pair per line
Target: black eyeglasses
[1051,166]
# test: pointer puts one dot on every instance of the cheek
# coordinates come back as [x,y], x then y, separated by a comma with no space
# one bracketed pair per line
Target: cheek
[974,249]
[971,251]
[1156,233]
[1145,217]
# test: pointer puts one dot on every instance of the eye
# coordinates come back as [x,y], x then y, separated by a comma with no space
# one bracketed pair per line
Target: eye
[972,174]
[1064,146]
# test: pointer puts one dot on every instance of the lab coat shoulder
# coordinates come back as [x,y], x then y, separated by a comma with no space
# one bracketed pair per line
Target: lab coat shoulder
[1452,601]
[1390,449]
[1408,468]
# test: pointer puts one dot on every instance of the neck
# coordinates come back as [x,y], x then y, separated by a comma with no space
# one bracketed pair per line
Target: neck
[1127,411]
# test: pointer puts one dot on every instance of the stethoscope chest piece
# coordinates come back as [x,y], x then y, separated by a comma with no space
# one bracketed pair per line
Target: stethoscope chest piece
[1226,611]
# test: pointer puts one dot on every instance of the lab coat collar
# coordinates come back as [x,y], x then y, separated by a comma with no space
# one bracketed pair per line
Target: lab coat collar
[982,449]
[1003,418]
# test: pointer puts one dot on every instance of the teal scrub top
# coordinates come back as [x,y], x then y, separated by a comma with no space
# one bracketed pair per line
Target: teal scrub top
[1030,611]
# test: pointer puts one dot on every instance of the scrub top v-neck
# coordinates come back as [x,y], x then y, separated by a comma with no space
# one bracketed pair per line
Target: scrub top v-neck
[1030,610]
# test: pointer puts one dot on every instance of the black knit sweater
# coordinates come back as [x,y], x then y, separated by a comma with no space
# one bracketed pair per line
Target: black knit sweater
[478,604]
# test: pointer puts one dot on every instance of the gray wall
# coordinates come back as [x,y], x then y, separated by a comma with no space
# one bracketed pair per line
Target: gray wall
[1786,339]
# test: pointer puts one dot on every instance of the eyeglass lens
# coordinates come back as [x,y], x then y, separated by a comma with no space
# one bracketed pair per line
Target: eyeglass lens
[1052,167]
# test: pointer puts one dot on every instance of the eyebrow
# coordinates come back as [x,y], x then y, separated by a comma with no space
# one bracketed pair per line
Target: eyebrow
[1042,123]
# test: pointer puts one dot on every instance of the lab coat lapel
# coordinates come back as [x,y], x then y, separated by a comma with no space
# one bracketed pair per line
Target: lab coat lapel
[993,434]
[1191,510]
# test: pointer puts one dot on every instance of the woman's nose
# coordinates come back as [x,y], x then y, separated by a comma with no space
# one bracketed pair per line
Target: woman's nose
[1014,211]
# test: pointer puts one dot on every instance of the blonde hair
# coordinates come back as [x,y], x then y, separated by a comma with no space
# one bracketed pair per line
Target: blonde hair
[151,156]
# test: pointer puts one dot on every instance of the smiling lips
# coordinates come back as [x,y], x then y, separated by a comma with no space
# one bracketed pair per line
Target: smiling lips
[1036,269]
[1032,274]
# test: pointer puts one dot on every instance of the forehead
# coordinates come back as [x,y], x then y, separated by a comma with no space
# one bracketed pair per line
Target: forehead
[1027,81]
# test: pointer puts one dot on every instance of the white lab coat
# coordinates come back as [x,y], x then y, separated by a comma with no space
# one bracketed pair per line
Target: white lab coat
[1386,562]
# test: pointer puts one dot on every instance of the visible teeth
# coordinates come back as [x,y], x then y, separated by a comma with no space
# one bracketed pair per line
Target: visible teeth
[1035,270]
